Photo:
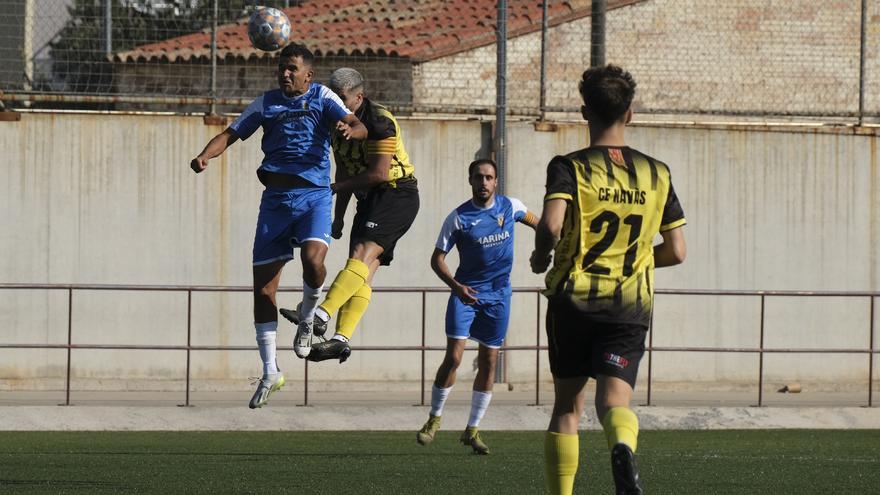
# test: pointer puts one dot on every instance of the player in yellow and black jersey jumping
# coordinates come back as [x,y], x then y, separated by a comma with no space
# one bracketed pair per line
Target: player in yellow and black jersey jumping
[379,173]
[603,207]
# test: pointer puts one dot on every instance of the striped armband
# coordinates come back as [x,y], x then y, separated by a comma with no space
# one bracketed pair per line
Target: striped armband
[673,225]
[558,195]
[385,146]
[530,218]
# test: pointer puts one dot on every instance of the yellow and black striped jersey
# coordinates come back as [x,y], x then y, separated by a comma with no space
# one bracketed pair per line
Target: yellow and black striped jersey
[619,199]
[383,138]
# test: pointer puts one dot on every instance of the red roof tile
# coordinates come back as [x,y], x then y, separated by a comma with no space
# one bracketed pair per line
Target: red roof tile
[416,29]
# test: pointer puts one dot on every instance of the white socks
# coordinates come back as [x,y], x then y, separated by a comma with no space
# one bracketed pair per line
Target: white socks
[438,399]
[266,333]
[479,404]
[309,302]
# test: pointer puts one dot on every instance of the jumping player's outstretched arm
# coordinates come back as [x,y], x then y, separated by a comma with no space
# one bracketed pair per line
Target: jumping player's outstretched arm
[215,147]
[547,233]
[672,251]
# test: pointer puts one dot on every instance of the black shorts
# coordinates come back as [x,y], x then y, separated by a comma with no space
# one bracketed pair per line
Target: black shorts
[580,346]
[384,215]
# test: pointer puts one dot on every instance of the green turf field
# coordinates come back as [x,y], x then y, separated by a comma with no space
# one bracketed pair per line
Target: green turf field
[675,462]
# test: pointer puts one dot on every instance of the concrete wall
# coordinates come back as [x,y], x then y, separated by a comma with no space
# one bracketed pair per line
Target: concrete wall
[110,199]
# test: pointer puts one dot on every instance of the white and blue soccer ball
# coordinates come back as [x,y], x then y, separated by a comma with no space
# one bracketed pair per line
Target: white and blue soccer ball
[268,29]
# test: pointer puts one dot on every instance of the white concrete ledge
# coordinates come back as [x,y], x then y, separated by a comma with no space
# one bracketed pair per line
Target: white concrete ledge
[360,417]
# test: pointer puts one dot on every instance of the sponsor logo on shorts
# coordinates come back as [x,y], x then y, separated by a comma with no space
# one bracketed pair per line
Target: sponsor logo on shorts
[615,360]
[371,225]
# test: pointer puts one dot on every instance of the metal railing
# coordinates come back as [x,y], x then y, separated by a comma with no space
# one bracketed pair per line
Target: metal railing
[537,348]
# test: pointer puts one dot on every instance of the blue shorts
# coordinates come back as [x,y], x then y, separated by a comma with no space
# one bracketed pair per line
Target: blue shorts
[485,321]
[290,217]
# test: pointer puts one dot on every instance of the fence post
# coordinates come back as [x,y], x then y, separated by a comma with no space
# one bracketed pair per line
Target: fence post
[650,353]
[424,332]
[188,341]
[501,95]
[69,342]
[538,348]
[761,358]
[544,34]
[305,382]
[864,16]
[215,15]
[108,27]
[871,357]
[597,32]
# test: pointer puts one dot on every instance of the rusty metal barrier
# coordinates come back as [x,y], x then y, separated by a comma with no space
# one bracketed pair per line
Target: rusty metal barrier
[423,348]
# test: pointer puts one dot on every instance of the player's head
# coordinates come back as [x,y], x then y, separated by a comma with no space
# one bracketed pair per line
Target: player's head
[608,93]
[483,178]
[349,85]
[295,69]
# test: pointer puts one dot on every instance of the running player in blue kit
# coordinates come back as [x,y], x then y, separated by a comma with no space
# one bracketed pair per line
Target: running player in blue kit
[295,210]
[479,306]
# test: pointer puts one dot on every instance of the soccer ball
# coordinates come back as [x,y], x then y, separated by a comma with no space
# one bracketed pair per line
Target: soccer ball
[268,29]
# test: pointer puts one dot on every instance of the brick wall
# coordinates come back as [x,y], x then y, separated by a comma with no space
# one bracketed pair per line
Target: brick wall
[387,79]
[740,56]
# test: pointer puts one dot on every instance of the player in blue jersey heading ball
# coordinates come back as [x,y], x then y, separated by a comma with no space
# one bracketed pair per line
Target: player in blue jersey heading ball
[295,210]
[479,306]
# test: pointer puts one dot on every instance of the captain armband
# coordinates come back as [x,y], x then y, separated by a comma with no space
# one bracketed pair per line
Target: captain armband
[382,147]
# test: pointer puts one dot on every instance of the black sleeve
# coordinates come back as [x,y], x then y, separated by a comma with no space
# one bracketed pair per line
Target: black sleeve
[560,178]
[672,211]
[380,127]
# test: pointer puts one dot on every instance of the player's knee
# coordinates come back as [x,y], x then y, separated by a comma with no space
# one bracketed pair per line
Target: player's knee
[264,292]
[567,408]
[452,361]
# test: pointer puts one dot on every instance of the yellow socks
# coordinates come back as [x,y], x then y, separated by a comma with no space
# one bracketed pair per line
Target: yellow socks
[560,462]
[621,425]
[347,282]
[351,313]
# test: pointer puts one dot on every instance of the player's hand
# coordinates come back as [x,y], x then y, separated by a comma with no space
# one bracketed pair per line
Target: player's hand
[539,263]
[336,229]
[198,164]
[466,294]
[344,129]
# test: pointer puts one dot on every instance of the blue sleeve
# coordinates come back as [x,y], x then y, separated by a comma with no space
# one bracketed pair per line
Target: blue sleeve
[250,120]
[334,109]
[449,232]
[519,209]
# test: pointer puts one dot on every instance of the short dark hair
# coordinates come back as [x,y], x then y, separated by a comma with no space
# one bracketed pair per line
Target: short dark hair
[297,50]
[481,161]
[607,92]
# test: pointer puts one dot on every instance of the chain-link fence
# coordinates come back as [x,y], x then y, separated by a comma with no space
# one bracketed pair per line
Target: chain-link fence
[730,57]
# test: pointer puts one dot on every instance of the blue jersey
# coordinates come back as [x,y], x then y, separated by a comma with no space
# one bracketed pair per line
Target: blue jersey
[296,131]
[484,237]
